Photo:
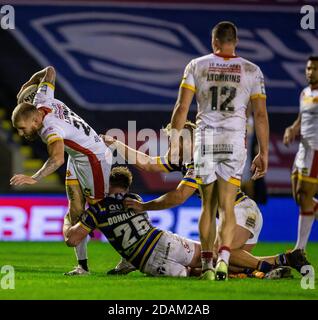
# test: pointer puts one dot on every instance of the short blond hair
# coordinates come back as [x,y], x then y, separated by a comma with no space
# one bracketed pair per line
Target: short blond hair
[22,111]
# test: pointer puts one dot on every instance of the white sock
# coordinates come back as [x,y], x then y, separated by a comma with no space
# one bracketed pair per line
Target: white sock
[224,254]
[305,223]
[81,249]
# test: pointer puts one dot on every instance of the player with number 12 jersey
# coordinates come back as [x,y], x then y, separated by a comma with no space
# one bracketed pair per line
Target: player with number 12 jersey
[224,85]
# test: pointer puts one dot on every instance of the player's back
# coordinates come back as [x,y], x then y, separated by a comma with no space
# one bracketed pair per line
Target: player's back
[223,87]
[60,122]
[309,116]
[130,233]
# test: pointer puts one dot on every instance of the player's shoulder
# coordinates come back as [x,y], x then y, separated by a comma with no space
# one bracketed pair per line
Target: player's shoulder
[305,91]
[201,59]
[249,66]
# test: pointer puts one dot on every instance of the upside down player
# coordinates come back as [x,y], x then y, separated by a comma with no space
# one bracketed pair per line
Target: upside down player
[248,215]
[147,248]
[89,160]
[305,172]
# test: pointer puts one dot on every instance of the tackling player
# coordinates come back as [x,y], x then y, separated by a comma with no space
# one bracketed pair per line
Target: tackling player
[305,172]
[248,216]
[223,84]
[89,160]
[149,249]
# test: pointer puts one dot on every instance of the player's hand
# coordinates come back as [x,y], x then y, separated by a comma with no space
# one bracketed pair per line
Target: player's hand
[259,166]
[289,136]
[108,140]
[21,179]
[136,205]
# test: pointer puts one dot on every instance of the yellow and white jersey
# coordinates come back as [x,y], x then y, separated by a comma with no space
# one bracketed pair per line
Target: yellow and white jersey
[309,117]
[223,86]
[61,123]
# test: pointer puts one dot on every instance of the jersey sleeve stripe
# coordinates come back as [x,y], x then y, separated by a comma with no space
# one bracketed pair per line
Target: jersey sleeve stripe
[235,181]
[92,216]
[84,226]
[50,141]
[258,95]
[190,184]
[47,84]
[187,86]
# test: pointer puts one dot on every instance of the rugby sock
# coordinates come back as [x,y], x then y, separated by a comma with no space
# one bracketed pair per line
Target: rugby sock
[207,260]
[281,260]
[224,254]
[305,222]
[81,253]
[83,264]
[264,266]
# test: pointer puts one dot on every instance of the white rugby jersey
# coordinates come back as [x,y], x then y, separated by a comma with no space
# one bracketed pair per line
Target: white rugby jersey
[61,123]
[309,116]
[223,87]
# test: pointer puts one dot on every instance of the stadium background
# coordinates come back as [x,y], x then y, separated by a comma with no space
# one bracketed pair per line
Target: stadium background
[123,61]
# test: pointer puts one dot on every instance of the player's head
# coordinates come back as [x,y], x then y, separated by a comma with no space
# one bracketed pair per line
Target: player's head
[224,34]
[26,119]
[186,139]
[312,70]
[120,179]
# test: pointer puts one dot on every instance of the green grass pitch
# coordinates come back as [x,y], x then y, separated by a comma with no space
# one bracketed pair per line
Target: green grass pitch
[39,271]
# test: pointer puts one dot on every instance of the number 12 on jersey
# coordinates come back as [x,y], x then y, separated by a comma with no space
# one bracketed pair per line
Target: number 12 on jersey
[227,94]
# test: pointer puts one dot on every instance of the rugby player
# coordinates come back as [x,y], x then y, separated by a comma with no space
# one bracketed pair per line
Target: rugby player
[89,160]
[248,216]
[149,249]
[223,84]
[305,171]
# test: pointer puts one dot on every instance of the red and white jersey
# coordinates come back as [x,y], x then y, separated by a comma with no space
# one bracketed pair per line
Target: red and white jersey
[309,116]
[223,87]
[61,123]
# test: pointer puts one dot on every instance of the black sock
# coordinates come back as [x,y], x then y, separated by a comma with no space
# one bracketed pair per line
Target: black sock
[264,266]
[83,264]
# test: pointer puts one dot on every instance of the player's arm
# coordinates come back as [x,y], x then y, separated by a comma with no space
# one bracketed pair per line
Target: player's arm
[292,131]
[260,162]
[55,160]
[168,200]
[139,159]
[47,74]
[179,117]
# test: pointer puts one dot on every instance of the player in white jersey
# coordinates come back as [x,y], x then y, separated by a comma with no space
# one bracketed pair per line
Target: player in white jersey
[305,171]
[89,161]
[223,84]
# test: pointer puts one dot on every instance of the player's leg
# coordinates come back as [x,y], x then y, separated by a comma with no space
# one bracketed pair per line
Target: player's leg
[226,199]
[304,194]
[76,206]
[294,182]
[207,228]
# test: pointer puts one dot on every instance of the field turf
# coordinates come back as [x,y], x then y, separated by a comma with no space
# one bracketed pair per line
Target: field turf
[39,271]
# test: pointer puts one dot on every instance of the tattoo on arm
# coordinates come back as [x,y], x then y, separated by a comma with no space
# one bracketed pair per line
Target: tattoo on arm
[49,167]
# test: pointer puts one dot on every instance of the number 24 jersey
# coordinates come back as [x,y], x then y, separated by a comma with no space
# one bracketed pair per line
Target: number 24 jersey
[61,123]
